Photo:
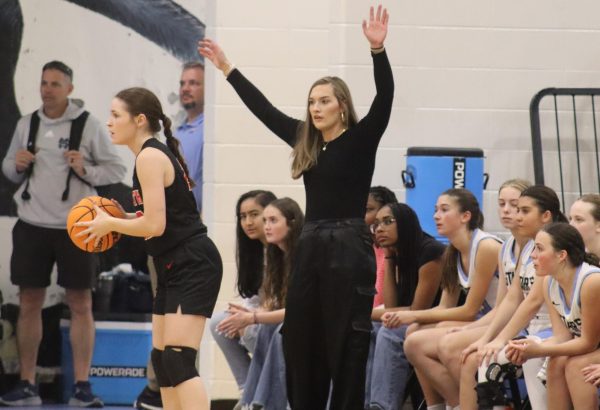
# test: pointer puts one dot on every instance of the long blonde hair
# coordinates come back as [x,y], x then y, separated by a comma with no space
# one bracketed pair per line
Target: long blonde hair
[310,140]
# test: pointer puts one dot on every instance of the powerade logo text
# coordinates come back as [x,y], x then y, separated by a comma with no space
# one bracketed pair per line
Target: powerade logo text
[459,174]
[118,371]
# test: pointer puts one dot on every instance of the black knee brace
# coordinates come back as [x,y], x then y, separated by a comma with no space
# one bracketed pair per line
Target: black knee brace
[159,369]
[490,394]
[179,363]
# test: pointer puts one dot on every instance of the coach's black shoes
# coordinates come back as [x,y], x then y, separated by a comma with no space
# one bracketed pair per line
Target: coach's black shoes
[24,394]
[83,396]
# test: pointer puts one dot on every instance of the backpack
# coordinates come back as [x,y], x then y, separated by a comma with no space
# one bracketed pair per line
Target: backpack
[74,141]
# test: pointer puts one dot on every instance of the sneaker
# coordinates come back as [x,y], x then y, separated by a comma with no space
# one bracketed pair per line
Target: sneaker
[24,394]
[149,400]
[83,396]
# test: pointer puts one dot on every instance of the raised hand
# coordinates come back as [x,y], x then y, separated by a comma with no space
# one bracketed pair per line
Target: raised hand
[211,50]
[376,29]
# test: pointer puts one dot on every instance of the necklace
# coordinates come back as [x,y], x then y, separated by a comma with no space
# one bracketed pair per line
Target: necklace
[325,143]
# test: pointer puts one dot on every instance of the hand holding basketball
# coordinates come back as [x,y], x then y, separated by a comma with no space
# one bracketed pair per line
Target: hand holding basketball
[95,229]
[88,224]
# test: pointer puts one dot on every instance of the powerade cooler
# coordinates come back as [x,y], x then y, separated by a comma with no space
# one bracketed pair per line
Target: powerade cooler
[432,170]
[121,352]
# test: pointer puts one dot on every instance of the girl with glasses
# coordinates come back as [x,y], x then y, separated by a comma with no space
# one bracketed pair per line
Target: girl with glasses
[413,271]
[378,197]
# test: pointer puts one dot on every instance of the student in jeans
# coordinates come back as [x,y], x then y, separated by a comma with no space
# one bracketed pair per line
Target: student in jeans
[413,271]
[378,197]
[265,385]
[250,262]
[571,283]
[470,267]
[332,283]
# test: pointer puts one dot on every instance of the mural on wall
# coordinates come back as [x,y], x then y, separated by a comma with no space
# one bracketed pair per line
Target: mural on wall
[162,22]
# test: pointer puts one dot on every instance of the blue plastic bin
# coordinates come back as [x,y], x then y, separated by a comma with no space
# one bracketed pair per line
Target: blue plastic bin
[121,352]
[432,170]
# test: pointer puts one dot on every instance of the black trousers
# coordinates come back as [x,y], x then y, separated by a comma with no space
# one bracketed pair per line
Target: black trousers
[327,324]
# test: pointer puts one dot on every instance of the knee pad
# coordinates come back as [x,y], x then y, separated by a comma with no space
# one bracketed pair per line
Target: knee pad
[159,369]
[179,363]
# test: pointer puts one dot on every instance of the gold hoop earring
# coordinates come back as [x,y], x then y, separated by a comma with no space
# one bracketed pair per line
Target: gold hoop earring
[343,117]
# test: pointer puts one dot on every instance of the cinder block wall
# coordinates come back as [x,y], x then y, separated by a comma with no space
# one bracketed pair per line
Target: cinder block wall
[465,72]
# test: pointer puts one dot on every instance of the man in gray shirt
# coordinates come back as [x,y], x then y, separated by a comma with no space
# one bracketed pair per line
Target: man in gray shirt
[54,177]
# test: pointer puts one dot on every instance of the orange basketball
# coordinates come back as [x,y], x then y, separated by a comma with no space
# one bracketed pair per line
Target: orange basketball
[83,212]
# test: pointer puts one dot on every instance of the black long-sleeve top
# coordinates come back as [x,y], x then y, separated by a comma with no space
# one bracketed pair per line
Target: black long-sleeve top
[337,186]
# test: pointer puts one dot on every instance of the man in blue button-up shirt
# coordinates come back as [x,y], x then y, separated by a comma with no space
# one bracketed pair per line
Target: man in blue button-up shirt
[191,132]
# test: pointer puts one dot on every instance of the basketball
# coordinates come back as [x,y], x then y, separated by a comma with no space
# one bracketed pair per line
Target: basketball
[84,211]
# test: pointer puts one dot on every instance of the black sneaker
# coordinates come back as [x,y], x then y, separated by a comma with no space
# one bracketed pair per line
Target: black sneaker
[149,400]
[83,396]
[24,394]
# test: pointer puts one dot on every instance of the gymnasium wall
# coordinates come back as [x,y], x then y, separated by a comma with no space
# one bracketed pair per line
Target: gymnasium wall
[465,71]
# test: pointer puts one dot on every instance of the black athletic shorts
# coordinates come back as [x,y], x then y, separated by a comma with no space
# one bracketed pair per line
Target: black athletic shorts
[189,276]
[36,249]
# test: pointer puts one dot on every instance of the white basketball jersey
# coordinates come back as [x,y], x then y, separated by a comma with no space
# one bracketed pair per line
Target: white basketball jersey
[526,268]
[571,314]
[527,277]
[466,280]
[508,259]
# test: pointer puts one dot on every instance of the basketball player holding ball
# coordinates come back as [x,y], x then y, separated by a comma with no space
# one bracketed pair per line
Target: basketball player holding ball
[188,264]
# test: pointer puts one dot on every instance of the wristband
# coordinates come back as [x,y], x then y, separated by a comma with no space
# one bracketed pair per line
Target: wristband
[229,70]
[378,50]
[254,318]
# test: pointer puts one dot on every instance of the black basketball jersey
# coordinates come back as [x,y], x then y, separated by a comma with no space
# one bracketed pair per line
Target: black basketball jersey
[183,219]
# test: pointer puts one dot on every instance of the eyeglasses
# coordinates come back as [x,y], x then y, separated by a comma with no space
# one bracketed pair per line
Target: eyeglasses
[384,222]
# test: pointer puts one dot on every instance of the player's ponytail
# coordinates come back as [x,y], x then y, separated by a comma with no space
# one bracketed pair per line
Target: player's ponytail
[591,259]
[173,144]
